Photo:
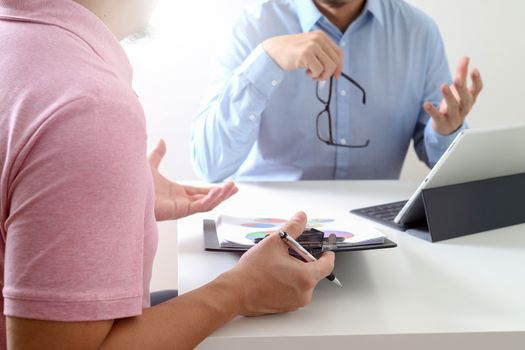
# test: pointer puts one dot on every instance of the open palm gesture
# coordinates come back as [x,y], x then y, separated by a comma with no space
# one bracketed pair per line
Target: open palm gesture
[174,201]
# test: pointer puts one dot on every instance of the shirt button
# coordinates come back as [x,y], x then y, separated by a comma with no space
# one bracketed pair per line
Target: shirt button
[343,43]
[252,117]
[274,82]
[343,141]
[343,92]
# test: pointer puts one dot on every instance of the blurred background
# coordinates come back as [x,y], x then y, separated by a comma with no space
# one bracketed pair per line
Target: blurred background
[172,66]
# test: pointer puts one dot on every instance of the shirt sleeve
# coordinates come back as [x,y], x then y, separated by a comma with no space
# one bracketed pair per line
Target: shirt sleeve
[429,144]
[226,127]
[75,231]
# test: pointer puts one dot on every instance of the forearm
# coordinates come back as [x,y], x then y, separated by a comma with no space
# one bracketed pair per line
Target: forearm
[181,323]
[266,280]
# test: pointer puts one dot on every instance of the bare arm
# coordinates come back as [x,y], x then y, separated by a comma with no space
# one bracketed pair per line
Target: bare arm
[184,321]
[266,280]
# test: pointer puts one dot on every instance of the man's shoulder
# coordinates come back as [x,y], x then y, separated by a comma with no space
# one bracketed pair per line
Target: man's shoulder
[53,66]
[398,10]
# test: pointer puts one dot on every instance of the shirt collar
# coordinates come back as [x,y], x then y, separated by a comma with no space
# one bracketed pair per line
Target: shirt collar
[76,19]
[309,15]
[375,8]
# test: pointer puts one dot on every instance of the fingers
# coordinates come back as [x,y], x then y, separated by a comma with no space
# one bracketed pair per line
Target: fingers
[215,196]
[230,189]
[155,157]
[339,70]
[433,112]
[323,266]
[462,69]
[206,203]
[464,96]
[448,117]
[226,191]
[314,66]
[315,52]
[452,102]
[458,99]
[296,225]
[192,191]
[329,65]
[324,58]
[477,84]
[467,96]
[335,55]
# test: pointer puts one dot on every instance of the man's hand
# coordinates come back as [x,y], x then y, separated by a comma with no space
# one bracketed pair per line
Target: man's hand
[314,51]
[174,201]
[269,280]
[458,100]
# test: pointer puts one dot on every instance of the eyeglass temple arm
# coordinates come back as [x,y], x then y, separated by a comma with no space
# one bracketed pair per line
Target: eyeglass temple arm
[356,85]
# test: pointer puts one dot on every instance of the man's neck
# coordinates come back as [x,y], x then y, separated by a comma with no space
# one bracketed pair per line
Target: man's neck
[341,13]
[105,10]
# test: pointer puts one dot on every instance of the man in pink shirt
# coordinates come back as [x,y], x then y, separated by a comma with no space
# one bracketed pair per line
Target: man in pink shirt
[79,199]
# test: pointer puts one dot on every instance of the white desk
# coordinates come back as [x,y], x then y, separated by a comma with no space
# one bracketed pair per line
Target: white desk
[463,293]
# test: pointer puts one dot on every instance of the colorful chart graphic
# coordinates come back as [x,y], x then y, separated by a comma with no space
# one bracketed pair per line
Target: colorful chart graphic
[254,235]
[339,234]
[270,221]
[258,225]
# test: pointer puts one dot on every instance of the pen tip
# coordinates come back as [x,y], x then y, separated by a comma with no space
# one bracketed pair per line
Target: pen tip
[336,281]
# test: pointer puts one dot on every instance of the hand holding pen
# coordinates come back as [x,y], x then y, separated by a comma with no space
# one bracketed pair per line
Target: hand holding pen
[268,279]
[299,249]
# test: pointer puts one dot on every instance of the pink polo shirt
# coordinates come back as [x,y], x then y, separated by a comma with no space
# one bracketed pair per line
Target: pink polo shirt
[77,226]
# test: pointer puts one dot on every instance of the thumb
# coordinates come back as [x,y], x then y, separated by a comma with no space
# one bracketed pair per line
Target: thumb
[155,157]
[295,226]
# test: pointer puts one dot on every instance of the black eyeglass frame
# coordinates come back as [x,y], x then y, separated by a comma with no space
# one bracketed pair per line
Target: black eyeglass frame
[326,110]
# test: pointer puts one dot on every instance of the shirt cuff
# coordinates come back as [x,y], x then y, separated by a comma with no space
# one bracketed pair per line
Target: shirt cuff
[262,71]
[436,144]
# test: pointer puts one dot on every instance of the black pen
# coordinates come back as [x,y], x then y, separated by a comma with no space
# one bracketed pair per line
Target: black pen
[299,249]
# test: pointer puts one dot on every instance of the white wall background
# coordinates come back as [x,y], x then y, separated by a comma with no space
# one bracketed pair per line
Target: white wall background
[172,67]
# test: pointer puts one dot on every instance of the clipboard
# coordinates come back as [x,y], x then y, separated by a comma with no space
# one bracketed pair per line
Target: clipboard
[211,242]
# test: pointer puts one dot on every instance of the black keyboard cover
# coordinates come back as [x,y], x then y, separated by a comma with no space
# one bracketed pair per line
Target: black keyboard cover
[383,214]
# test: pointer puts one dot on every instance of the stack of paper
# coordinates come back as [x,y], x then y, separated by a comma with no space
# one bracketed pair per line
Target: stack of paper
[236,232]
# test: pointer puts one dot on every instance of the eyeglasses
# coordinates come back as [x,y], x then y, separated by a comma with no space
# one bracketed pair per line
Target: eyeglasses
[325,113]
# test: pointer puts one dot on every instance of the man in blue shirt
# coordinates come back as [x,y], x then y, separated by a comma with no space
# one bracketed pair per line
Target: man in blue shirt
[276,114]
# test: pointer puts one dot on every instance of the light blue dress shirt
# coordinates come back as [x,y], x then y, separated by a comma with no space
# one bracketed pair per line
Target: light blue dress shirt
[259,122]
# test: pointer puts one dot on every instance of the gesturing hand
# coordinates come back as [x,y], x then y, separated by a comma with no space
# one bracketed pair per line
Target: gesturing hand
[314,51]
[458,100]
[174,201]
